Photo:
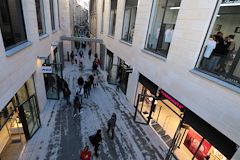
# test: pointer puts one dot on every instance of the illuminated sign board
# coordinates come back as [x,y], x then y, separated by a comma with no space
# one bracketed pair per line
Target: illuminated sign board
[46,69]
[171,99]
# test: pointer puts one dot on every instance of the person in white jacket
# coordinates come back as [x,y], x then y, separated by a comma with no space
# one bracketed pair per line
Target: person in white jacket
[79,93]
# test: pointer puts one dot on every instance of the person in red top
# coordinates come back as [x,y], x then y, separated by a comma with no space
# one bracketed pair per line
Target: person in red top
[86,153]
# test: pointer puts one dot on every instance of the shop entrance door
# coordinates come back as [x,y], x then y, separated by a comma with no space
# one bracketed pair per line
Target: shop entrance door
[29,115]
[144,109]
[53,81]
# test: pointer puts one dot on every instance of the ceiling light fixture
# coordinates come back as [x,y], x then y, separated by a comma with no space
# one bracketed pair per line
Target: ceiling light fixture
[229,4]
[172,8]
[222,5]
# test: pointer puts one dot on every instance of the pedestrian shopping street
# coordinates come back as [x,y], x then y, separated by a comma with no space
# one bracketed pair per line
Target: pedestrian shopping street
[62,136]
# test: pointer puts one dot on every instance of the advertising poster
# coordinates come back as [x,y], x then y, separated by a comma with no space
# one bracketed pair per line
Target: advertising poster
[192,141]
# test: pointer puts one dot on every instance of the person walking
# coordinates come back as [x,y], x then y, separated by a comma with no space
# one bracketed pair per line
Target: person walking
[81,53]
[90,80]
[94,66]
[80,81]
[86,89]
[76,106]
[76,59]
[81,62]
[85,154]
[95,80]
[96,140]
[89,53]
[111,124]
[80,92]
[66,95]
[72,56]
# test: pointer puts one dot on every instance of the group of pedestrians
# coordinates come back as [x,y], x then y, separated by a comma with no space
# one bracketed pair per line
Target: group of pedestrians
[96,139]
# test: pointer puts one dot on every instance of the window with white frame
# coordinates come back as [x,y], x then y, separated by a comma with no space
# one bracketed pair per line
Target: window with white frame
[220,56]
[112,18]
[161,26]
[40,17]
[12,23]
[129,20]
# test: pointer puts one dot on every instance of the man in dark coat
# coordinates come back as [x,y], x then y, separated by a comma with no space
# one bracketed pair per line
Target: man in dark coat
[95,140]
[111,124]
[80,81]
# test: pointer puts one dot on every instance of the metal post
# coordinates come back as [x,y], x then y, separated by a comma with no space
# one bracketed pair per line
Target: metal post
[152,107]
[135,115]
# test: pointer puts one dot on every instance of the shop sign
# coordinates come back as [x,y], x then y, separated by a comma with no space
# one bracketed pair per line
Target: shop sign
[46,69]
[171,99]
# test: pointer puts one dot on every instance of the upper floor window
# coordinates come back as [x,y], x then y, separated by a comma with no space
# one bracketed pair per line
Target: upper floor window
[162,22]
[102,20]
[220,53]
[129,20]
[112,19]
[40,17]
[52,14]
[12,23]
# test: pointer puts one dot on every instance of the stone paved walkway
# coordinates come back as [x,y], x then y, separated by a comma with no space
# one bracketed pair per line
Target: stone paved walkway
[62,136]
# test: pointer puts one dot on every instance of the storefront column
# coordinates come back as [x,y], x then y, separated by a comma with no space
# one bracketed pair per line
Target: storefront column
[132,86]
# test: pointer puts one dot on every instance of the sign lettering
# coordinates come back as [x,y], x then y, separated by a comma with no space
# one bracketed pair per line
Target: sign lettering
[46,69]
[171,99]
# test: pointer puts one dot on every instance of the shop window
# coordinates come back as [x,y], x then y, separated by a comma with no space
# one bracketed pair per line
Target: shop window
[12,23]
[40,17]
[220,53]
[102,20]
[192,145]
[30,86]
[162,22]
[22,94]
[51,2]
[112,19]
[129,20]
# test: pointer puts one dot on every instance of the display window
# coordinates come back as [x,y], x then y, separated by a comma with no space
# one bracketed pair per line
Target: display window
[193,146]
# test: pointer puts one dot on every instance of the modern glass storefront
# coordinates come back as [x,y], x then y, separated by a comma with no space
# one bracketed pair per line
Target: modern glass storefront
[186,135]
[19,120]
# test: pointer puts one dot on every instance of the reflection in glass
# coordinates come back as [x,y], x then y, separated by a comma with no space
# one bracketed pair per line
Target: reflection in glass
[112,20]
[22,94]
[12,23]
[31,115]
[129,20]
[40,16]
[160,30]
[30,86]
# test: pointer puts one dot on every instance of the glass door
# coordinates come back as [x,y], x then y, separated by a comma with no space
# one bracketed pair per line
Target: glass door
[29,114]
[140,113]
